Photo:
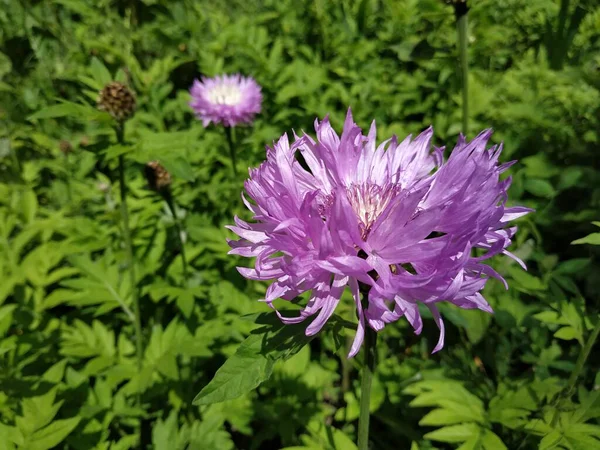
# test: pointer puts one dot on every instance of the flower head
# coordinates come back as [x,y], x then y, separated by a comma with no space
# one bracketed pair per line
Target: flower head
[395,219]
[227,99]
[118,100]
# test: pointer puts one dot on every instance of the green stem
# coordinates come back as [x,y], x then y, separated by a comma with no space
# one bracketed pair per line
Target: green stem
[581,359]
[365,387]
[16,163]
[168,196]
[463,43]
[230,142]
[346,370]
[68,181]
[130,261]
[346,367]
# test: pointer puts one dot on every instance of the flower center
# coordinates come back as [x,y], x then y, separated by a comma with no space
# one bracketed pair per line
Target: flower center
[225,94]
[368,202]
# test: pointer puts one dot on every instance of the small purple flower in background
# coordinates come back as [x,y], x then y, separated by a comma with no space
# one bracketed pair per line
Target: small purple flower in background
[227,99]
[394,219]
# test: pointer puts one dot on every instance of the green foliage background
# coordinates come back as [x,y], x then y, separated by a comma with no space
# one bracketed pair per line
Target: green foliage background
[68,375]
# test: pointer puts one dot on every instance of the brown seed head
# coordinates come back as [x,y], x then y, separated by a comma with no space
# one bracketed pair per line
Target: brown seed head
[117,100]
[159,179]
[84,141]
[65,147]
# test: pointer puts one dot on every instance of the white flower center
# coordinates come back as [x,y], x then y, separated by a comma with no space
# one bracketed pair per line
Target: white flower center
[225,94]
[368,202]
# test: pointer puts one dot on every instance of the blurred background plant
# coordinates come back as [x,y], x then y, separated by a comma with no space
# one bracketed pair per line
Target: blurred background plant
[69,374]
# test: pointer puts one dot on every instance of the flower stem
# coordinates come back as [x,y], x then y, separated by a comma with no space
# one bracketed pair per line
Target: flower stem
[168,196]
[229,136]
[365,387]
[130,260]
[68,180]
[462,27]
[581,359]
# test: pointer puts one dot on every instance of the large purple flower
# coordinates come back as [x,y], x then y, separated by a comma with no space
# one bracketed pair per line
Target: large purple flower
[394,220]
[227,99]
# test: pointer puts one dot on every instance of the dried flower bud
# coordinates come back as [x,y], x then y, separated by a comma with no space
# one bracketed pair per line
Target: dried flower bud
[117,100]
[159,179]
[65,147]
[460,7]
[84,141]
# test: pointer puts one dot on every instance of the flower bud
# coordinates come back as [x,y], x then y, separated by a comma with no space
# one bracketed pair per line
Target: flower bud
[159,179]
[117,100]
[65,147]
[460,7]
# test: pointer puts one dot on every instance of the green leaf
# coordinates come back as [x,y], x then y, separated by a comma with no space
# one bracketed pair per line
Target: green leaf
[593,239]
[69,109]
[29,205]
[326,437]
[241,373]
[439,417]
[52,435]
[454,433]
[114,151]
[551,317]
[551,440]
[572,266]
[491,441]
[165,433]
[179,167]
[477,323]
[568,333]
[210,434]
[12,434]
[540,188]
[253,361]
[525,280]
[185,302]
[100,72]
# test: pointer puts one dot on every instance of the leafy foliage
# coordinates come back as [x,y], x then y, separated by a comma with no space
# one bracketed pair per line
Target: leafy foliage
[68,372]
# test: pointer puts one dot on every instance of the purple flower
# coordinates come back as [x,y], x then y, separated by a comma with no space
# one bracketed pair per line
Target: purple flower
[394,220]
[226,99]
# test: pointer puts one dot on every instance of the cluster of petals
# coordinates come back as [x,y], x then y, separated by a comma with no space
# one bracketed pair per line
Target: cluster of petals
[229,100]
[396,222]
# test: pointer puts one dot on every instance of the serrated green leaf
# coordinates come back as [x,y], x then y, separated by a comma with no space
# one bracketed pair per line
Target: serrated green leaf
[241,373]
[551,317]
[491,441]
[52,435]
[454,433]
[440,416]
[551,440]
[568,333]
[165,433]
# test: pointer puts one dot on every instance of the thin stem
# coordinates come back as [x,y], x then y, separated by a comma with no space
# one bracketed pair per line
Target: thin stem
[130,261]
[230,142]
[346,370]
[69,175]
[581,359]
[365,387]
[16,163]
[346,367]
[168,196]
[463,43]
